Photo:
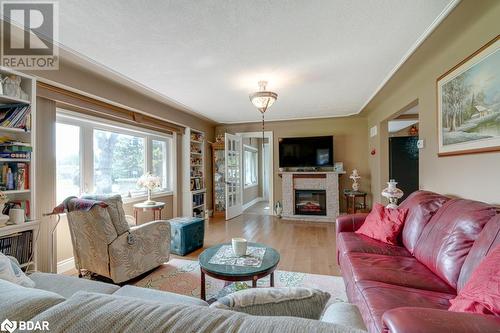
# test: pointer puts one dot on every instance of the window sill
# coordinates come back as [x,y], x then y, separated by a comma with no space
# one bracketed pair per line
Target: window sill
[127,200]
[250,186]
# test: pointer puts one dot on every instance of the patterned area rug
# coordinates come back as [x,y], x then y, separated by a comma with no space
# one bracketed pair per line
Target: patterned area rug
[183,277]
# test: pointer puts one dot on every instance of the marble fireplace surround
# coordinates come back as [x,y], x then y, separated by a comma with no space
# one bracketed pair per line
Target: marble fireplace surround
[328,181]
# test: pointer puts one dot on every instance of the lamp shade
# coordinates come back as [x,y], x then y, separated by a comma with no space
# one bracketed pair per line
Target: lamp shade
[263,99]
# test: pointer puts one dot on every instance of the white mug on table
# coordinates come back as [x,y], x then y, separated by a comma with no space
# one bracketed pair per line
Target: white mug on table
[239,246]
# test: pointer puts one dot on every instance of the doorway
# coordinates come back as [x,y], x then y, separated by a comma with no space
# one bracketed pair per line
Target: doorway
[257,166]
[403,150]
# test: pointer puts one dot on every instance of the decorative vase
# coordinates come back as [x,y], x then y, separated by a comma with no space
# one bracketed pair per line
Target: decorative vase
[149,201]
[278,209]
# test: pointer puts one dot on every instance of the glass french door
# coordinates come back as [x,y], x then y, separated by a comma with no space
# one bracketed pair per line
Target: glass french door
[234,204]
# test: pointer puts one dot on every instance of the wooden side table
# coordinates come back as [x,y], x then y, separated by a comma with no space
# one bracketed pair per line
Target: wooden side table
[350,199]
[157,207]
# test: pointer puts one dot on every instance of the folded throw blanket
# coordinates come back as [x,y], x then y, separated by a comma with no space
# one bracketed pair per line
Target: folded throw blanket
[77,204]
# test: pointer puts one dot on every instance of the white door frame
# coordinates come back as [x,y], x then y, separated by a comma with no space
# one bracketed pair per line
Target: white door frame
[268,135]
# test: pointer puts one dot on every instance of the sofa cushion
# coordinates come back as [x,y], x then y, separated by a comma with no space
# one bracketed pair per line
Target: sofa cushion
[401,271]
[384,224]
[66,286]
[342,313]
[449,235]
[481,294]
[375,298]
[293,302]
[158,296]
[351,242]
[19,303]
[11,271]
[110,313]
[488,239]
[421,205]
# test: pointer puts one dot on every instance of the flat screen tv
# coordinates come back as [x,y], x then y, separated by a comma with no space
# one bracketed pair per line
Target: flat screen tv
[314,151]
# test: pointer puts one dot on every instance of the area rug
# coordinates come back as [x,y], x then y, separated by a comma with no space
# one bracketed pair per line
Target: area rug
[183,277]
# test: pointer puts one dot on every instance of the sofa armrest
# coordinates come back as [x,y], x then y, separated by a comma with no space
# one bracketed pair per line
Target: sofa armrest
[418,320]
[143,248]
[350,223]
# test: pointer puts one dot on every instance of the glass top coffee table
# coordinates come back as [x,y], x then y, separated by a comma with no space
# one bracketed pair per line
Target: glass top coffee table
[232,273]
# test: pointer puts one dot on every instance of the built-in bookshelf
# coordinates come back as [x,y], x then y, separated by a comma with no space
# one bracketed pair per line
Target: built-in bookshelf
[194,184]
[17,168]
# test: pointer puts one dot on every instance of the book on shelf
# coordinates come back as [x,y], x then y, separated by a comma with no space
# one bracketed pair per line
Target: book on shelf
[14,176]
[18,245]
[198,199]
[10,148]
[15,116]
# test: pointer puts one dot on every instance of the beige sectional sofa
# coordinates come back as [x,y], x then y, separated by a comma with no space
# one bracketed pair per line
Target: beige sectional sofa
[70,304]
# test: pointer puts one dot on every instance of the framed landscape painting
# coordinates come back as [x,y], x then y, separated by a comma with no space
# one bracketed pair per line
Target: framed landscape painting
[468,103]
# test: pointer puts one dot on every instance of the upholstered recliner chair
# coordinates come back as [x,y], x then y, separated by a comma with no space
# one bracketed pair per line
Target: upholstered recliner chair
[104,243]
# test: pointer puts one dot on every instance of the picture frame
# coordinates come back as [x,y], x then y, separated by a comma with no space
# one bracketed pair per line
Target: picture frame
[468,104]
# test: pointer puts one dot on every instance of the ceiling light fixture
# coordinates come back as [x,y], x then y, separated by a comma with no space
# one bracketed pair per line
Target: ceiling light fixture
[262,100]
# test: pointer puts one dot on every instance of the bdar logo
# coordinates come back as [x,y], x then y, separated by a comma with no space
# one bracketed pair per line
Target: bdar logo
[8,325]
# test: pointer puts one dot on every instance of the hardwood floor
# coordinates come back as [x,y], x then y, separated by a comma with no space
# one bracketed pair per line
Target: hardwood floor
[304,246]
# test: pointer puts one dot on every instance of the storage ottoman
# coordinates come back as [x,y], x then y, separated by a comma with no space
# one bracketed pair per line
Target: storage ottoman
[187,234]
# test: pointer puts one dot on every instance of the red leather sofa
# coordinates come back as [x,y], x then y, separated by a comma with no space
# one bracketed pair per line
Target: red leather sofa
[407,288]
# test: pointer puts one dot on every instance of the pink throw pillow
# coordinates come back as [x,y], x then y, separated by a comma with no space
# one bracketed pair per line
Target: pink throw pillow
[481,294]
[384,224]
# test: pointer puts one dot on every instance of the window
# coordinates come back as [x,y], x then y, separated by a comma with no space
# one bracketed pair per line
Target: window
[159,167]
[118,162]
[251,162]
[68,161]
[108,159]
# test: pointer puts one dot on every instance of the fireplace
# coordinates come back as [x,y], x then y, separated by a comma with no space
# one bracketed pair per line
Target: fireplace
[310,202]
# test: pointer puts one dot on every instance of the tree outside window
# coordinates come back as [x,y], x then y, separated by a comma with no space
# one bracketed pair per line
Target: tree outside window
[118,162]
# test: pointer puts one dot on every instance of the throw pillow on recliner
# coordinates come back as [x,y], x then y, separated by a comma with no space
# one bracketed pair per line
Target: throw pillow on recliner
[384,224]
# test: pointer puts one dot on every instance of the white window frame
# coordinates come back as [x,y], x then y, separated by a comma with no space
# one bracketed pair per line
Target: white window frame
[247,148]
[87,126]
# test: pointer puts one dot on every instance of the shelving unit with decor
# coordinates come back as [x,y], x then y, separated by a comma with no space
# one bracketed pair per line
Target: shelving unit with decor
[17,167]
[219,179]
[194,199]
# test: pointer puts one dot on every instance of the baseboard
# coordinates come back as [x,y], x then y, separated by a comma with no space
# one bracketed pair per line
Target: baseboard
[253,202]
[65,265]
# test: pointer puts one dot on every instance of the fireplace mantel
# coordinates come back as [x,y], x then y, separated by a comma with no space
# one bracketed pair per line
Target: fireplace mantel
[311,180]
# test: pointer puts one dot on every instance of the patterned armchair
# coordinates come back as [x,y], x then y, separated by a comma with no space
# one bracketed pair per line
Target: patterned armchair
[104,243]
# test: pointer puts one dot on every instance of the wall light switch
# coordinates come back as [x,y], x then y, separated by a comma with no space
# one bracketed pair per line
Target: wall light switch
[420,144]
[373,131]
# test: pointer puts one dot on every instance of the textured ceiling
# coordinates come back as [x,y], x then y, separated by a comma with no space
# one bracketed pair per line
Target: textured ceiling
[323,58]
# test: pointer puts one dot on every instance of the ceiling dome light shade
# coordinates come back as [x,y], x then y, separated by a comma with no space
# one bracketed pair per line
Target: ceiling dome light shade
[263,99]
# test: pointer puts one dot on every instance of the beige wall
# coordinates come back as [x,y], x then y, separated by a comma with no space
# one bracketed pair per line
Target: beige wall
[350,143]
[471,25]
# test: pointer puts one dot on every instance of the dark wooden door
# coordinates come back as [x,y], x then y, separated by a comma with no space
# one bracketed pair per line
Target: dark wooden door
[403,163]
